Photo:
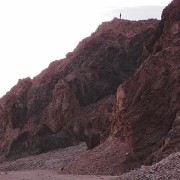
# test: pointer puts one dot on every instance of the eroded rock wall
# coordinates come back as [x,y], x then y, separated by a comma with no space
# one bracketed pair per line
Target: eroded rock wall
[145,120]
[73,98]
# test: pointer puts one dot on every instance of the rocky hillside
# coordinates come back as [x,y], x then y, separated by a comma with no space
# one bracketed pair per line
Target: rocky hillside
[145,122]
[72,99]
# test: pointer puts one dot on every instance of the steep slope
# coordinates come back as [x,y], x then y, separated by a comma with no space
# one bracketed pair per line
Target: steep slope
[145,124]
[72,99]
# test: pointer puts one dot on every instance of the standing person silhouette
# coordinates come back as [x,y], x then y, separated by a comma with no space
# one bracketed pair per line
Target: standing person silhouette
[120,15]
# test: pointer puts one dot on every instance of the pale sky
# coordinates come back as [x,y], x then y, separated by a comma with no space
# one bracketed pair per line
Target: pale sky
[34,33]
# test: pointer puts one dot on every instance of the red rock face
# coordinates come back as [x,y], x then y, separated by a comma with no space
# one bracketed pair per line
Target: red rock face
[72,99]
[152,111]
[145,121]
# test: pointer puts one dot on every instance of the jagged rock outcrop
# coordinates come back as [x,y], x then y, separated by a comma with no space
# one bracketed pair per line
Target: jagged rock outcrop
[73,98]
[145,123]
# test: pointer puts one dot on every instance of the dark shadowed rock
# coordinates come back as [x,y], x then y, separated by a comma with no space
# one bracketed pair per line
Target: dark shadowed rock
[93,140]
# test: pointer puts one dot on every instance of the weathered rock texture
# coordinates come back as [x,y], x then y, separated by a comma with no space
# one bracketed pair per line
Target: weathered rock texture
[72,99]
[145,123]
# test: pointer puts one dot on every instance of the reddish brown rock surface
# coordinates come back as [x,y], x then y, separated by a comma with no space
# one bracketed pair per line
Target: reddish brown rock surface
[145,123]
[72,99]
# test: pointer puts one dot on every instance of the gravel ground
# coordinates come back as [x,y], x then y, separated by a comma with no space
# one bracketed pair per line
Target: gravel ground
[47,167]
[167,169]
[52,160]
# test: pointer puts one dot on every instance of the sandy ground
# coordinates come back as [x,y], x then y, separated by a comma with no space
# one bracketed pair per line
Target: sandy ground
[47,175]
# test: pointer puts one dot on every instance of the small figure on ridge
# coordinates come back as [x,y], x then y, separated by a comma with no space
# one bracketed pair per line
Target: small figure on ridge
[120,15]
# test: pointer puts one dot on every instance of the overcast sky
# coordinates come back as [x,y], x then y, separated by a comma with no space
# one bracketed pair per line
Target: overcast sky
[34,33]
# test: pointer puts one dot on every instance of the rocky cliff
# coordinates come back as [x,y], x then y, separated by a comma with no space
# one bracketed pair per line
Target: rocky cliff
[145,122]
[72,99]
